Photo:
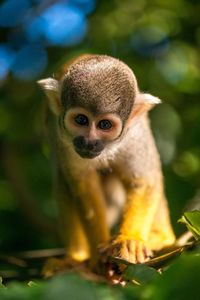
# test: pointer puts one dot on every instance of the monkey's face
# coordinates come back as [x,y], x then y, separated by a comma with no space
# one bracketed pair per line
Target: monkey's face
[91,133]
[97,95]
[95,102]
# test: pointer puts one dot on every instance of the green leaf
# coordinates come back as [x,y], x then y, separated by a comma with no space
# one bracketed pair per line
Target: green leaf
[179,281]
[192,221]
[2,286]
[61,287]
[140,273]
[31,284]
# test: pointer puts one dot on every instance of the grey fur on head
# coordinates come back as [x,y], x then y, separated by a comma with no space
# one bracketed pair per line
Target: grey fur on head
[102,84]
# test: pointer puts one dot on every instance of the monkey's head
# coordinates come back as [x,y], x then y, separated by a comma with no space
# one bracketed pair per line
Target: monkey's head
[95,101]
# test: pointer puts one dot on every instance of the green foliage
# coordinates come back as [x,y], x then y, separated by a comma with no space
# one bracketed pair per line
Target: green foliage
[179,281]
[1,284]
[140,273]
[61,287]
[192,221]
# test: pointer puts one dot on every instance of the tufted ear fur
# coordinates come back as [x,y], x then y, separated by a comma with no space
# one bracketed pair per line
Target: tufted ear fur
[143,103]
[50,86]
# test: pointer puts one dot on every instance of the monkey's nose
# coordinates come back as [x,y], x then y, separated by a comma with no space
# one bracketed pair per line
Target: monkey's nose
[94,145]
[82,142]
[91,145]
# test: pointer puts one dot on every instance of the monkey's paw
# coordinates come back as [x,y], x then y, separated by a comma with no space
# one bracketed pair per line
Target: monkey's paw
[134,251]
[130,250]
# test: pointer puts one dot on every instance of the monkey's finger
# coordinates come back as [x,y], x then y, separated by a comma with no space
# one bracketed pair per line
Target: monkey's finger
[139,252]
[148,252]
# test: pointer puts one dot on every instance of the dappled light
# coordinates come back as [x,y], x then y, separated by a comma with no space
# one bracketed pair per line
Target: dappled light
[36,26]
[160,41]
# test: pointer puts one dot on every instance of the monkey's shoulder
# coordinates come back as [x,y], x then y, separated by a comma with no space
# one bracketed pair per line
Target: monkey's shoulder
[138,156]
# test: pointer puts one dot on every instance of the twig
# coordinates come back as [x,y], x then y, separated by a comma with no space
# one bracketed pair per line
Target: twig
[15,274]
[13,261]
[184,239]
[43,253]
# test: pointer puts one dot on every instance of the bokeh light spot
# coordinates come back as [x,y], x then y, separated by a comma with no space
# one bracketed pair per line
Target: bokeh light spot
[6,59]
[167,127]
[30,62]
[12,12]
[174,65]
[150,41]
[188,164]
[86,6]
[60,24]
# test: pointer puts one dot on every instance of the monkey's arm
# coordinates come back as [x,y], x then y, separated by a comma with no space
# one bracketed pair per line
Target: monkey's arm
[145,224]
[140,209]
[89,202]
[71,229]
[139,231]
[92,209]
[131,243]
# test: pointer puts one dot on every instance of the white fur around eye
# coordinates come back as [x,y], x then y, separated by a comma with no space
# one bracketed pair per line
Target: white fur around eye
[114,131]
[70,124]
[92,129]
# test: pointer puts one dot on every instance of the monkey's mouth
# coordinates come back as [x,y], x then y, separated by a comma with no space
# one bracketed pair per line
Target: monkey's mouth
[87,154]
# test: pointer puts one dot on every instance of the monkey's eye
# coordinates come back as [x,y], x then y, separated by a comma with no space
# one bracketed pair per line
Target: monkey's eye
[81,120]
[104,124]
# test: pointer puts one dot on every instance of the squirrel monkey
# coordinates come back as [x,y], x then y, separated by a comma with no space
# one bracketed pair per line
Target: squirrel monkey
[108,167]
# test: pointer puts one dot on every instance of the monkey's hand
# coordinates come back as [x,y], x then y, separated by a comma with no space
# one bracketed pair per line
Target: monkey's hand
[134,251]
[131,243]
[125,248]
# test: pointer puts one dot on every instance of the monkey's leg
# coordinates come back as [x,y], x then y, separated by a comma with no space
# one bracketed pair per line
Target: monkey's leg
[161,234]
[72,233]
[131,243]
[91,206]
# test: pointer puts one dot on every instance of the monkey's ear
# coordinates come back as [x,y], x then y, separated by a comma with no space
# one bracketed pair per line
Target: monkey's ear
[143,103]
[50,86]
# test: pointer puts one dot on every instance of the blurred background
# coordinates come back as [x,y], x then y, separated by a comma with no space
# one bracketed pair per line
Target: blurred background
[158,39]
